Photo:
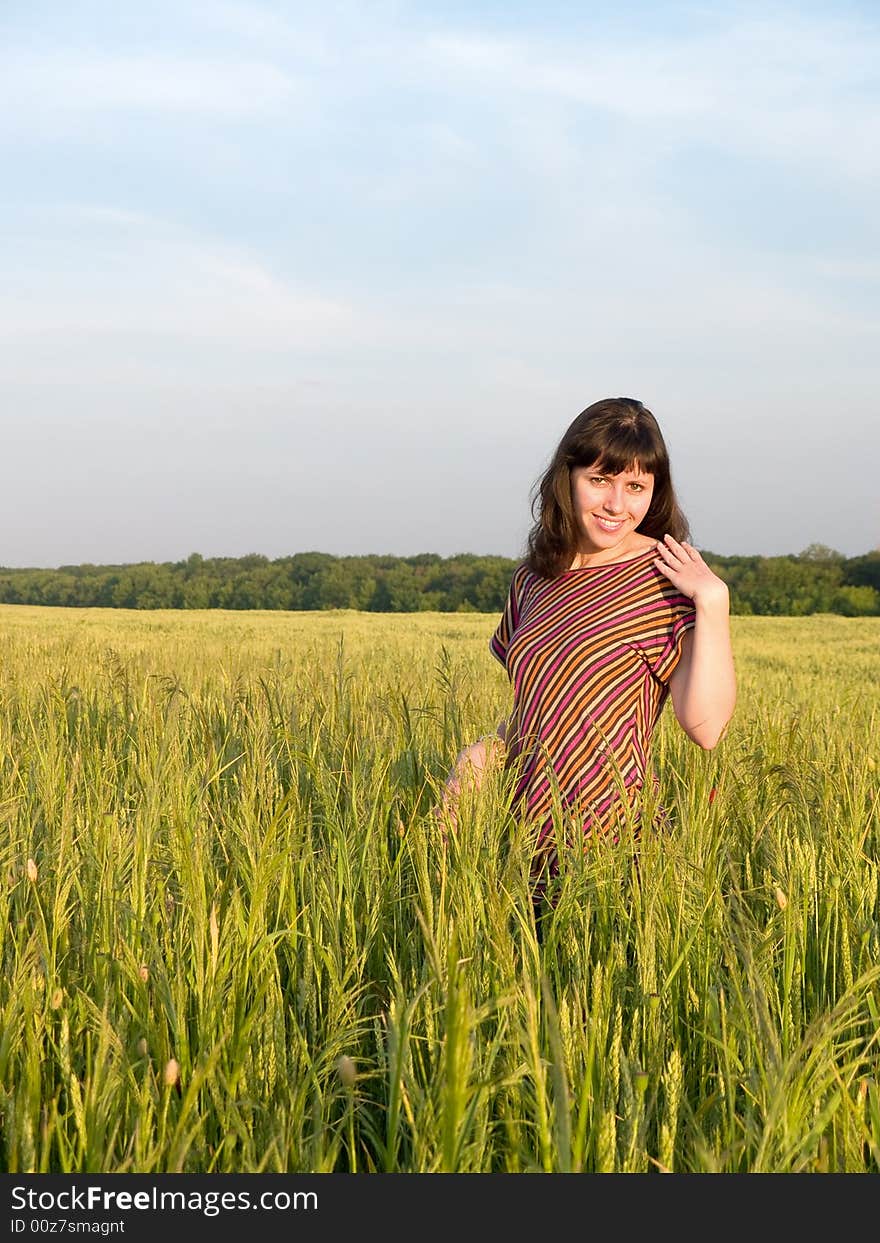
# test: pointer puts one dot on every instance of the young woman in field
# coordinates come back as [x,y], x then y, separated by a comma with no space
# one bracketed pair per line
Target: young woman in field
[611,613]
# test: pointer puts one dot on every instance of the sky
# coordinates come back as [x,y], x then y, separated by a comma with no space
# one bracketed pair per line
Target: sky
[283,276]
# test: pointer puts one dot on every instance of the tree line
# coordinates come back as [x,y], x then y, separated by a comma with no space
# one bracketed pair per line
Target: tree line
[817,580]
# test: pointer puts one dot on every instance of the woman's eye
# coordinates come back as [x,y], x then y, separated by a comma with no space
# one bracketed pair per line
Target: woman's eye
[596,480]
[637,487]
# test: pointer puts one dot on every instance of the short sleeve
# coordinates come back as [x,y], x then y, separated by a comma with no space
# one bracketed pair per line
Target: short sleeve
[682,620]
[500,640]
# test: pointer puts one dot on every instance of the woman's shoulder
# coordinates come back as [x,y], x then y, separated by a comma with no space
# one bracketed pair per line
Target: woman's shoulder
[524,585]
[521,578]
[523,574]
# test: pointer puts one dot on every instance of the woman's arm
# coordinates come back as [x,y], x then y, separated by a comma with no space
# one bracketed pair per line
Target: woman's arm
[703,684]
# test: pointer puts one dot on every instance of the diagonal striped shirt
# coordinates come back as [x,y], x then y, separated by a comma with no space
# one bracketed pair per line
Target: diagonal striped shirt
[589,655]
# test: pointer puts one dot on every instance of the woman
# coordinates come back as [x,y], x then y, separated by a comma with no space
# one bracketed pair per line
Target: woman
[611,612]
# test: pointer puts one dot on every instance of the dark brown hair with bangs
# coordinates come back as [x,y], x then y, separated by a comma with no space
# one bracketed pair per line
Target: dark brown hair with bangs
[615,434]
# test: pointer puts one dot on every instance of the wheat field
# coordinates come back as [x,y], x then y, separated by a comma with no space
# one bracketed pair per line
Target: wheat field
[233,940]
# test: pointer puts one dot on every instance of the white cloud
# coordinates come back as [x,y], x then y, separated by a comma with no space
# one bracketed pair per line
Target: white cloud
[139,278]
[795,88]
[68,83]
[143,289]
[254,24]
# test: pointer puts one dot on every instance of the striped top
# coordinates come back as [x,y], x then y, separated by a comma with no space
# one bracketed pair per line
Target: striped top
[589,655]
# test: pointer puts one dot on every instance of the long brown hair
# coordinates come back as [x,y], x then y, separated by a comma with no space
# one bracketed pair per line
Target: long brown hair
[615,434]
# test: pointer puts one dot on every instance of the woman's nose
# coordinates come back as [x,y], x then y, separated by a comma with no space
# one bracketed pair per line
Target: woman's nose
[614,501]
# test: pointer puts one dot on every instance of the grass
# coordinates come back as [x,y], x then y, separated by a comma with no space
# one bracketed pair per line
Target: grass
[232,940]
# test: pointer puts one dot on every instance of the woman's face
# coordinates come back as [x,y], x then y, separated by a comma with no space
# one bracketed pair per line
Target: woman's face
[609,508]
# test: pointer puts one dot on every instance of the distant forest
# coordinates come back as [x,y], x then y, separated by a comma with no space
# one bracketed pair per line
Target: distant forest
[817,580]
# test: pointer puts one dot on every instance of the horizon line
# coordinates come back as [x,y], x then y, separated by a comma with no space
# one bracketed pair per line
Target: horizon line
[828,552]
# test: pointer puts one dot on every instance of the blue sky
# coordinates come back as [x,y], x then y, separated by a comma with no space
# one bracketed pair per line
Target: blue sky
[282,276]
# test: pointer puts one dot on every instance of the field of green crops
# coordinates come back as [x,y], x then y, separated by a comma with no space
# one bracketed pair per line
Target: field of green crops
[233,940]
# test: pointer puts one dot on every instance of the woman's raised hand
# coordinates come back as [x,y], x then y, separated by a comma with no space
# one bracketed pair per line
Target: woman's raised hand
[686,570]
